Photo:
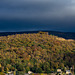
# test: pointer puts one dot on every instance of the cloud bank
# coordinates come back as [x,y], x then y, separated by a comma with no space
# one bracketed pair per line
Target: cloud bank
[38,14]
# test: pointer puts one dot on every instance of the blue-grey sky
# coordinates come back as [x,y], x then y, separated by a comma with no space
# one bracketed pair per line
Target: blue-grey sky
[27,15]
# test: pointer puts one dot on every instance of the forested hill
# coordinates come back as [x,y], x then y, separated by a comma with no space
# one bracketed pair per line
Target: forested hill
[38,52]
[66,35]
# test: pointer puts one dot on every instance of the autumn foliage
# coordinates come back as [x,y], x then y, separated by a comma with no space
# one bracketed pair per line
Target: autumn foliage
[38,52]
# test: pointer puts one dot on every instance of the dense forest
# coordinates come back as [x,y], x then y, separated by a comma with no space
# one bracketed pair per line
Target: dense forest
[38,52]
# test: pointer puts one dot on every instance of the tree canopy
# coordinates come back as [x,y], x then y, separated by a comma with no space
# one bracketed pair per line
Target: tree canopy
[38,52]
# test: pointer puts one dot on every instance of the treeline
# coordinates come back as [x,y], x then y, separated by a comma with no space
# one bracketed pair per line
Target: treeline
[38,52]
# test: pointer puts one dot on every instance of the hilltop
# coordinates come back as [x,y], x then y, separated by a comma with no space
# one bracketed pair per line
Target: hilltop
[38,52]
[66,35]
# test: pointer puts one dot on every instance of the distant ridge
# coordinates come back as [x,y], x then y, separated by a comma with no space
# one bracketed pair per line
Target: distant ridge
[66,35]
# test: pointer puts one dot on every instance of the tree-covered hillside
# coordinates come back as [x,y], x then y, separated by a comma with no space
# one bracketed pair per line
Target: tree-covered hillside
[38,52]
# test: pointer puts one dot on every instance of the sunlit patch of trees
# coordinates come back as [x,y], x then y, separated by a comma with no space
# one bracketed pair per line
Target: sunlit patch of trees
[38,52]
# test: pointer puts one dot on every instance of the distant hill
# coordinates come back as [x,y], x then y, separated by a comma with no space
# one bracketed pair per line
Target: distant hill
[66,35]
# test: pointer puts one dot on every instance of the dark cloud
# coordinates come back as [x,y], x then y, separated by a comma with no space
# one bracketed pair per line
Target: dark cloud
[37,14]
[33,8]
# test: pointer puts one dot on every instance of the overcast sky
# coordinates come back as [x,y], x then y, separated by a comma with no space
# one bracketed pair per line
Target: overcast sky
[25,15]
